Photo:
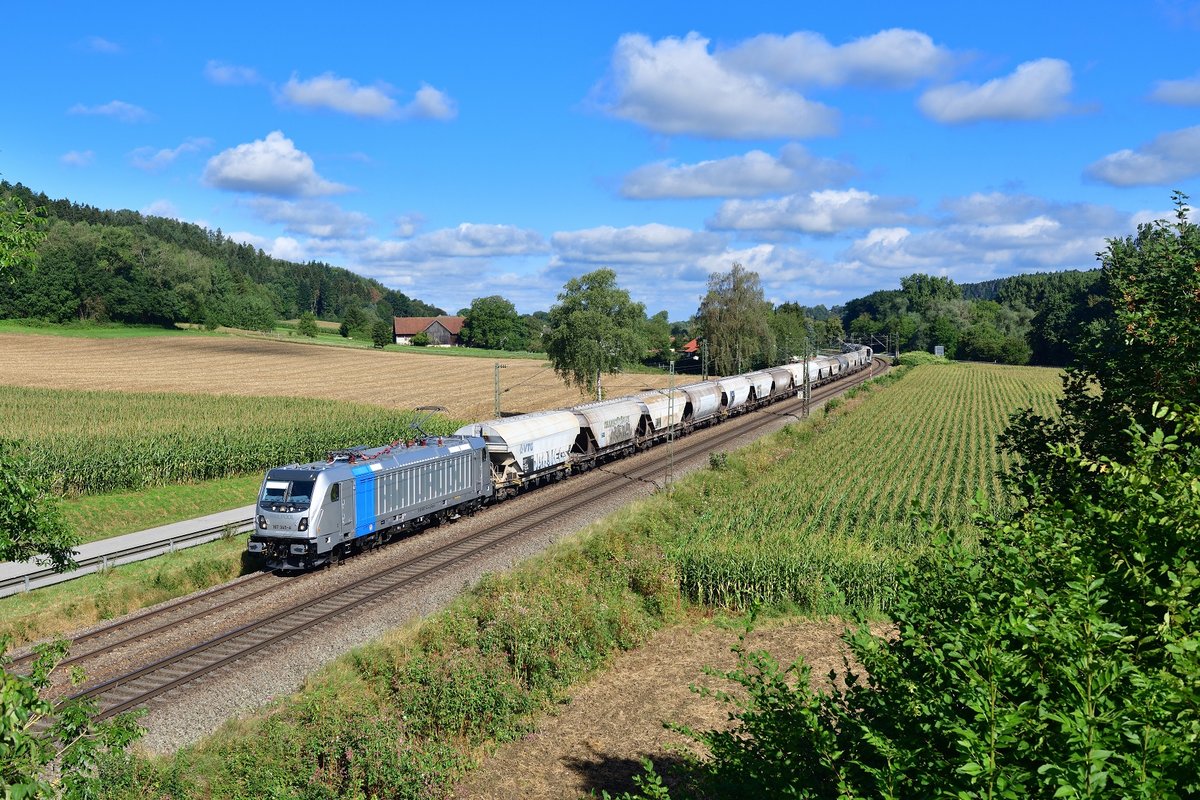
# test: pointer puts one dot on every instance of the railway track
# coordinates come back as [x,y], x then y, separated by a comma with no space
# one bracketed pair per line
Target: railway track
[144,684]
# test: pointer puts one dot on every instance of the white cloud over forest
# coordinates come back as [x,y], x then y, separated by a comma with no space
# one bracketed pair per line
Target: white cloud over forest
[271,166]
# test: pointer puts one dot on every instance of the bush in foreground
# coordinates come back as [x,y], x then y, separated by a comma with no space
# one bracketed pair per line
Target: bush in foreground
[1060,659]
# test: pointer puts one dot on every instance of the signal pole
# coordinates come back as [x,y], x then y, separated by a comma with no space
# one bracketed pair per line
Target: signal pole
[807,376]
[499,367]
[671,427]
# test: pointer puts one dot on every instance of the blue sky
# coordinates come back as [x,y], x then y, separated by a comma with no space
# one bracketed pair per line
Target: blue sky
[455,151]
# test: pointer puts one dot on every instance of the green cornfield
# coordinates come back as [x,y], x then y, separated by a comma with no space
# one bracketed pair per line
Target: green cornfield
[96,442]
[822,517]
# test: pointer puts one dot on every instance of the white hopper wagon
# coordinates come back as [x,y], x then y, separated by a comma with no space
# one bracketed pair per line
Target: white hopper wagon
[527,447]
[762,383]
[610,424]
[735,391]
[705,399]
[664,407]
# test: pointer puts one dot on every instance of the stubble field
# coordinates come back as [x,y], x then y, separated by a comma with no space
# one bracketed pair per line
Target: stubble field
[248,367]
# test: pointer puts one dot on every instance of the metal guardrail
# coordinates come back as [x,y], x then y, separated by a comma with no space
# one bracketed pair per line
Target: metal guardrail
[35,576]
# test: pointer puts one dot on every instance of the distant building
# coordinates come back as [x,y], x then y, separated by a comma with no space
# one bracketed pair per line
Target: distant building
[442,331]
[691,348]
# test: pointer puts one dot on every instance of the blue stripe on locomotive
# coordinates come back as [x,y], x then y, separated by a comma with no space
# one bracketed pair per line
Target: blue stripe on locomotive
[364,500]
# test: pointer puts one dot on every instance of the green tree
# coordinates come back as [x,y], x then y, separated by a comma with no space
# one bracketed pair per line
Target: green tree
[381,333]
[594,328]
[355,321]
[21,231]
[493,324]
[734,318]
[793,331]
[72,741]
[535,327]
[422,339]
[658,337]
[31,523]
[307,325]
[1146,349]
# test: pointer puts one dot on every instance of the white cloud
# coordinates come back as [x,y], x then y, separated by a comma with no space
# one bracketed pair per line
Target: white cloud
[986,235]
[119,109]
[161,208]
[1036,90]
[636,244]
[1184,92]
[340,94]
[407,225]
[1170,157]
[317,218]
[344,95]
[98,44]
[149,159]
[270,166]
[78,158]
[675,86]
[231,74]
[823,212]
[288,249]
[749,175]
[894,57]
[430,103]
[284,247]
[468,240]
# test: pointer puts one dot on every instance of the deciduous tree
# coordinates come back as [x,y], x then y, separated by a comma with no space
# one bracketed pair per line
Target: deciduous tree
[493,324]
[595,327]
[734,318]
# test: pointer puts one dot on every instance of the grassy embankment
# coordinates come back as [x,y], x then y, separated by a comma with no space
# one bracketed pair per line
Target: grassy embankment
[814,519]
[187,456]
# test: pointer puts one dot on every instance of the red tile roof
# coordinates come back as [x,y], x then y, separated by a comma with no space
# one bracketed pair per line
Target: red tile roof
[411,326]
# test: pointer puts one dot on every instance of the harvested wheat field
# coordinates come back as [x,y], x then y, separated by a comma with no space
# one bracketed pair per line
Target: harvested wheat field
[254,367]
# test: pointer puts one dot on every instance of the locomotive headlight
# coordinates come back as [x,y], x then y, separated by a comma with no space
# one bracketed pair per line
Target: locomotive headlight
[262,522]
[303,526]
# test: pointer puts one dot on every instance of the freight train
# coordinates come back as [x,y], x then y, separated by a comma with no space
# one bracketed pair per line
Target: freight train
[309,515]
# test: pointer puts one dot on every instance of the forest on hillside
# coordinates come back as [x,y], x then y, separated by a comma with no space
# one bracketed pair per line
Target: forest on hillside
[1024,319]
[124,266]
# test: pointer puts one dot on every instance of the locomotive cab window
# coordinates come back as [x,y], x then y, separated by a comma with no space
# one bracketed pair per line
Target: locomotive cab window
[334,493]
[290,494]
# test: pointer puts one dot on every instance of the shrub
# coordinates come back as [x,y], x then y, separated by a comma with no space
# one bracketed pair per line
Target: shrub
[1059,659]
[421,339]
[307,325]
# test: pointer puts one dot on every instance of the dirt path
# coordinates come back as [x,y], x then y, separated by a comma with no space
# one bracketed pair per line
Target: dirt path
[597,741]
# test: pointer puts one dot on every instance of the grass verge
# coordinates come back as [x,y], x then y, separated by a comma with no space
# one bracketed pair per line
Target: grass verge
[102,516]
[75,604]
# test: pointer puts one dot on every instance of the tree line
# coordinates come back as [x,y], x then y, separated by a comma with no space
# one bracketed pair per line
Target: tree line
[123,266]
[1025,319]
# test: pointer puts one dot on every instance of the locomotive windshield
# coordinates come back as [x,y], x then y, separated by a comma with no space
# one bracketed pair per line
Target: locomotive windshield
[289,493]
